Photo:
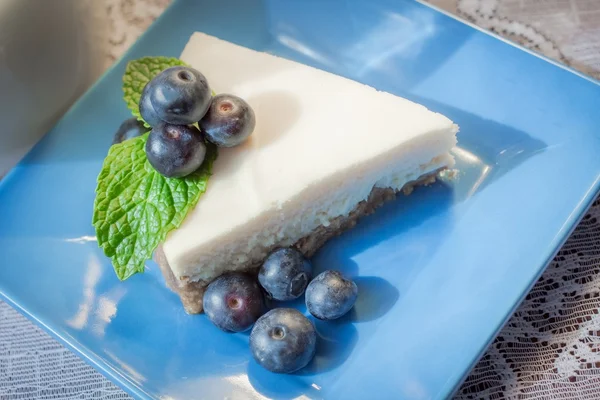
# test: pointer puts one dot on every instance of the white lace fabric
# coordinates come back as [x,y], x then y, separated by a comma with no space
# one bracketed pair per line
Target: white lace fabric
[549,349]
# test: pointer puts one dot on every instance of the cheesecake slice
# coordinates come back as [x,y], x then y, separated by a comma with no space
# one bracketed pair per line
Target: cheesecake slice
[325,151]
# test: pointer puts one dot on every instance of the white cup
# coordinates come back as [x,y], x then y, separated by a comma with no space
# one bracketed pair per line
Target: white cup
[50,52]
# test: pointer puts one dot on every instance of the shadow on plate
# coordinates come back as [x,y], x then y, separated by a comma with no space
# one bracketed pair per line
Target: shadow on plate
[376,296]
[393,219]
[336,340]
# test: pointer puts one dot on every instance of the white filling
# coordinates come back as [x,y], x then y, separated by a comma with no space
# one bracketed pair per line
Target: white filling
[322,142]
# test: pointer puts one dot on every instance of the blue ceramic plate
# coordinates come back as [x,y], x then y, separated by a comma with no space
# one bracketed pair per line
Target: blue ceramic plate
[439,271]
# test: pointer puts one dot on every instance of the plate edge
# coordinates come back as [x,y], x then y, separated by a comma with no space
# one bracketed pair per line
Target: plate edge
[510,42]
[569,226]
[115,376]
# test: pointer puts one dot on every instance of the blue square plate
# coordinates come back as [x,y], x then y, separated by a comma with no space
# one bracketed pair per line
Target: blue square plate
[439,271]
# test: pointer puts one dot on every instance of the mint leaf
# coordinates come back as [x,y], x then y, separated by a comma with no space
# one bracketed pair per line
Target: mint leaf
[136,207]
[138,73]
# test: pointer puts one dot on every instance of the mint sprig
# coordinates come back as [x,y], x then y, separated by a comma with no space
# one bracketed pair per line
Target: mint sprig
[136,207]
[138,73]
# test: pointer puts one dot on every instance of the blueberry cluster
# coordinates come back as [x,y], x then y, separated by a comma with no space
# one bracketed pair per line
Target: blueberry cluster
[173,103]
[282,340]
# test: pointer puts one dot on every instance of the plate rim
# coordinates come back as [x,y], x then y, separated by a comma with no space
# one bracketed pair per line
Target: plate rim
[509,42]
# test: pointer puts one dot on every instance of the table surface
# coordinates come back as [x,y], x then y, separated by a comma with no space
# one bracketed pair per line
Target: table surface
[550,348]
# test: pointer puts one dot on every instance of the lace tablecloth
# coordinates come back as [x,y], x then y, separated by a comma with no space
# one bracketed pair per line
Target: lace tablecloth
[550,349]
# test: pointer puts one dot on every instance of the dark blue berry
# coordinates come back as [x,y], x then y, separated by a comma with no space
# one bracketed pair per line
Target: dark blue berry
[179,95]
[175,150]
[229,121]
[330,295]
[146,110]
[283,340]
[129,129]
[233,302]
[285,274]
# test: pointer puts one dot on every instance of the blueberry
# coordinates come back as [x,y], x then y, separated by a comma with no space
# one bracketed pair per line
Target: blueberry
[330,295]
[179,95]
[146,110]
[233,302]
[285,274]
[175,150]
[283,340]
[229,120]
[129,129]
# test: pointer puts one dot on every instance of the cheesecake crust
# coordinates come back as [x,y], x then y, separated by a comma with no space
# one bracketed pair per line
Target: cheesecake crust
[191,293]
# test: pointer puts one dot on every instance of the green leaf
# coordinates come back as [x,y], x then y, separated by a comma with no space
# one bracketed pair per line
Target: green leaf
[138,73]
[136,207]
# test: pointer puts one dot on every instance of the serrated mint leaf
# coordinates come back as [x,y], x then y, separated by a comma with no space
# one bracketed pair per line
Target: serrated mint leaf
[138,73]
[136,207]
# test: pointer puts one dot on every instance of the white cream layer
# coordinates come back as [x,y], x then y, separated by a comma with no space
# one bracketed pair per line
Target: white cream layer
[321,143]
